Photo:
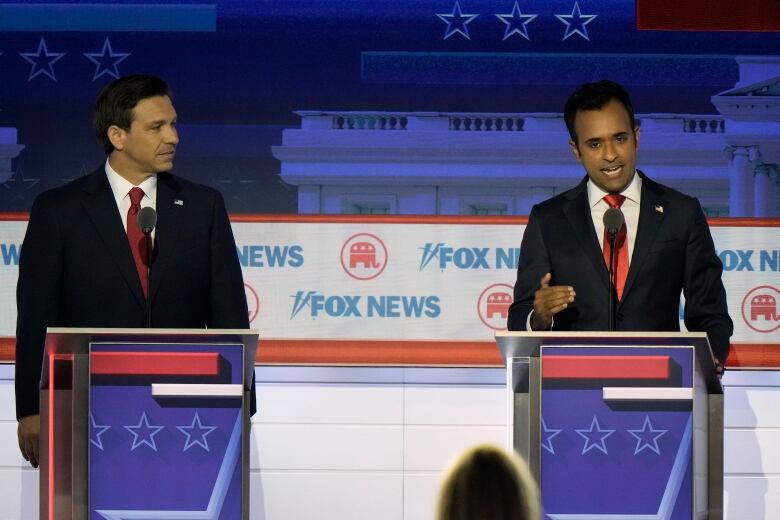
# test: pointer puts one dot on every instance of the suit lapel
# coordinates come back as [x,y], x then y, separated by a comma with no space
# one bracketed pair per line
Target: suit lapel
[577,211]
[170,213]
[650,220]
[100,205]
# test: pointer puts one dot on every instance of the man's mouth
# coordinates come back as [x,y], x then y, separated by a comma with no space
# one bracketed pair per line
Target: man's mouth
[612,171]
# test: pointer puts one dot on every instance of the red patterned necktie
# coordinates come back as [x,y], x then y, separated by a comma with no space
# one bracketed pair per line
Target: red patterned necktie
[135,236]
[621,244]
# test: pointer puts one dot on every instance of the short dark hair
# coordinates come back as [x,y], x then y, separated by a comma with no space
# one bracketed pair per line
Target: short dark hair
[593,96]
[115,103]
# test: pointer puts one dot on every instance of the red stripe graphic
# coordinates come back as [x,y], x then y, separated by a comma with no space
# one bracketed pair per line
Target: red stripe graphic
[154,363]
[706,15]
[605,367]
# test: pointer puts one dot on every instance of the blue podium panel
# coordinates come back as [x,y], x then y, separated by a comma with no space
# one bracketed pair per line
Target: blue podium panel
[165,431]
[616,432]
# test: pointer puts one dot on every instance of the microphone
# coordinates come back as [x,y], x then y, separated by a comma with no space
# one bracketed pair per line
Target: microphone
[147,220]
[613,221]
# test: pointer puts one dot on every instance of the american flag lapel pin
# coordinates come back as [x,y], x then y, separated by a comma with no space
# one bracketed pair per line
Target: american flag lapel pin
[658,208]
[179,202]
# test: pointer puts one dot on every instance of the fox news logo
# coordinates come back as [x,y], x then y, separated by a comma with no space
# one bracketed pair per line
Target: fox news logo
[444,256]
[356,306]
[763,260]
[270,256]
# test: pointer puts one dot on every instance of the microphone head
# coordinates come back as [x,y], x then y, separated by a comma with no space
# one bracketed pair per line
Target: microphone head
[613,220]
[147,219]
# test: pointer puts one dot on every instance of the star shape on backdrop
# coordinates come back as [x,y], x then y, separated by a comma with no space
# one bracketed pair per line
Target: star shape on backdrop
[647,437]
[145,433]
[42,61]
[213,510]
[18,185]
[576,22]
[548,434]
[594,437]
[457,22]
[668,502]
[106,60]
[516,22]
[196,433]
[96,431]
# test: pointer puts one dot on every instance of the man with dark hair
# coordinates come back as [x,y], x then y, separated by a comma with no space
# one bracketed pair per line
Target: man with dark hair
[663,249]
[82,262]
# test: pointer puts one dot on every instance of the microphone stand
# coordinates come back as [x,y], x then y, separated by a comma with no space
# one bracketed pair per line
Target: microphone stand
[148,238]
[612,240]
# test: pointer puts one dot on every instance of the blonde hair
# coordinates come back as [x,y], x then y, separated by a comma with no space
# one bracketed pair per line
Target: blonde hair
[487,483]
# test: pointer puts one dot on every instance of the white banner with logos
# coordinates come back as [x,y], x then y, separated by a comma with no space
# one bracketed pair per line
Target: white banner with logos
[419,281]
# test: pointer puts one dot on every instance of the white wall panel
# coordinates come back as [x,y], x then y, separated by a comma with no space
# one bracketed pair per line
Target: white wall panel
[432,448]
[450,404]
[326,495]
[752,452]
[329,403]
[18,493]
[751,498]
[751,407]
[326,447]
[421,490]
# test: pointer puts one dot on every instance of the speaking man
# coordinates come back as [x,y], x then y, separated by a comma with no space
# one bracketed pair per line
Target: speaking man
[83,260]
[663,248]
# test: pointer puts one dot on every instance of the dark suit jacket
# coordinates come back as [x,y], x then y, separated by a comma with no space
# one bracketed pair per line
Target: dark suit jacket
[76,269]
[673,253]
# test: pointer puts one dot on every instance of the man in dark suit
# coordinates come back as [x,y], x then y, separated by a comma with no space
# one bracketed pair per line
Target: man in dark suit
[82,259]
[563,281]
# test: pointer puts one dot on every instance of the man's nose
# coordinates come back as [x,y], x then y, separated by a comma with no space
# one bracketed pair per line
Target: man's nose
[171,136]
[610,151]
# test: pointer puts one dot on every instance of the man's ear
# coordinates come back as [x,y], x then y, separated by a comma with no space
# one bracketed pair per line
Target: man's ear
[117,137]
[636,135]
[575,150]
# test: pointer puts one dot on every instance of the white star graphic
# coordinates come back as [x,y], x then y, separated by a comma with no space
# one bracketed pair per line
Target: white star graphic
[595,437]
[146,433]
[516,22]
[647,437]
[548,434]
[219,492]
[42,61]
[457,22]
[106,60]
[576,22]
[97,430]
[199,437]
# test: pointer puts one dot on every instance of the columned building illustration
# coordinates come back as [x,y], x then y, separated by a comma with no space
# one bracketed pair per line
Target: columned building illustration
[433,163]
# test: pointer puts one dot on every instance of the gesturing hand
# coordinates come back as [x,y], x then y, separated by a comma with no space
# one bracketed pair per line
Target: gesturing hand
[549,300]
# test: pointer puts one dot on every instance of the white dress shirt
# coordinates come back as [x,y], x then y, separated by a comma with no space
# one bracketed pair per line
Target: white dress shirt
[121,188]
[630,209]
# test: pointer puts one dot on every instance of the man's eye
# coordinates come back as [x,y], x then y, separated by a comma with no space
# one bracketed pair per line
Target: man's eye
[594,146]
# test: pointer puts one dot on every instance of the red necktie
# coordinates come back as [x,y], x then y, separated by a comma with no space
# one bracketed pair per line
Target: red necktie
[135,236]
[621,244]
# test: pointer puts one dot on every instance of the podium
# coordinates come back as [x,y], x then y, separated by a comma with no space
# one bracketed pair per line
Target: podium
[622,425]
[145,423]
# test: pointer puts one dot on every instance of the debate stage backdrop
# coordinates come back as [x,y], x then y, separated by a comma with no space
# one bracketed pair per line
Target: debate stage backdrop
[241,68]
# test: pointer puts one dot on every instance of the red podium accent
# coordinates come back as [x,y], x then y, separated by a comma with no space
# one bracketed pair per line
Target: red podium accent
[154,363]
[606,367]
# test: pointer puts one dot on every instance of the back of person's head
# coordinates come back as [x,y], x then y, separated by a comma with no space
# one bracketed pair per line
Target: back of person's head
[486,483]
[593,96]
[115,103]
